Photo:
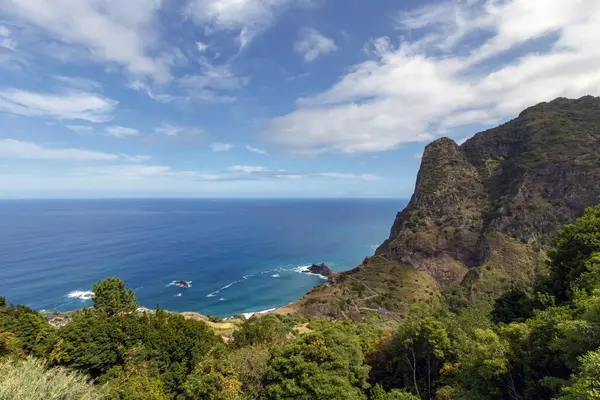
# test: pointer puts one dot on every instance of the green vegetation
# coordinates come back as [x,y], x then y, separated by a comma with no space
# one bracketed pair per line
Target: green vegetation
[486,210]
[531,342]
[29,379]
[111,297]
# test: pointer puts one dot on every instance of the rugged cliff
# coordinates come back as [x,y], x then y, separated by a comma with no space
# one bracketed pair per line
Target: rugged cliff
[484,209]
[482,213]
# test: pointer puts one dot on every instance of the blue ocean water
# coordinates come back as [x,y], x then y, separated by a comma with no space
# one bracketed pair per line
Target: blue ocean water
[241,255]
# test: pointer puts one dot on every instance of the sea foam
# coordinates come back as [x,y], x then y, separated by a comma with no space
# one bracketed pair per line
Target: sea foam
[213,294]
[81,295]
[303,269]
[247,315]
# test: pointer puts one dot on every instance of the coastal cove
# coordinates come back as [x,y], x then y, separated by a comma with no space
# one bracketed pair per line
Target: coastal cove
[238,256]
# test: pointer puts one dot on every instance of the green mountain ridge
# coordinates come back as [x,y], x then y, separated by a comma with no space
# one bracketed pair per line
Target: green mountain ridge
[508,188]
[482,213]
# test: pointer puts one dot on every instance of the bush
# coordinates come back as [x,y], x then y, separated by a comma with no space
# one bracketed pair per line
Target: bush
[30,380]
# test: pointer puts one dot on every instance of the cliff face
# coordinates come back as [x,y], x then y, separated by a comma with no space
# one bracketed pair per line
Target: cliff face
[487,207]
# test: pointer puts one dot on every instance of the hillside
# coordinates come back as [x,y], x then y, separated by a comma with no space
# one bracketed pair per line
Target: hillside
[488,206]
[483,212]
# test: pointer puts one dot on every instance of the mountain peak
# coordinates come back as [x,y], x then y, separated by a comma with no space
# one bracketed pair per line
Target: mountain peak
[507,189]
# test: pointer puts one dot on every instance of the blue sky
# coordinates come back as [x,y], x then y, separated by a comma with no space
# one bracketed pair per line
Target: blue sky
[285,98]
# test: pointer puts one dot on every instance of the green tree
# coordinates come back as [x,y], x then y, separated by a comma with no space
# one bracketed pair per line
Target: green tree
[378,393]
[92,342]
[574,246]
[515,305]
[585,385]
[483,365]
[28,326]
[321,365]
[250,365]
[8,345]
[135,380]
[112,297]
[420,346]
[214,378]
[266,329]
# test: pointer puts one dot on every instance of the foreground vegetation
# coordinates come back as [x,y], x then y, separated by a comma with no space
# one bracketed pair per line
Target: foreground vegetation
[533,342]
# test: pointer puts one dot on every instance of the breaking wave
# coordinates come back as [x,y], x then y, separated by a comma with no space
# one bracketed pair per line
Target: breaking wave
[174,283]
[81,295]
[249,314]
[213,294]
[303,269]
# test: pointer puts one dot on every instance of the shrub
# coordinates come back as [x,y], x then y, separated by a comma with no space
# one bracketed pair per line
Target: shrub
[30,380]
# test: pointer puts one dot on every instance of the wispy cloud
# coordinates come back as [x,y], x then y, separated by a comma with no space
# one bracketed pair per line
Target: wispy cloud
[263,172]
[256,150]
[214,83]
[220,147]
[78,82]
[201,47]
[68,105]
[83,130]
[121,32]
[121,132]
[143,87]
[247,17]
[311,44]
[15,149]
[461,63]
[180,132]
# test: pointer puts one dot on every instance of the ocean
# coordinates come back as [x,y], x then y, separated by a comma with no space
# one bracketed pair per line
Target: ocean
[241,256]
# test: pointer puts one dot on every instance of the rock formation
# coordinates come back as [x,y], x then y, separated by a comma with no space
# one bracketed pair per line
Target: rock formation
[486,208]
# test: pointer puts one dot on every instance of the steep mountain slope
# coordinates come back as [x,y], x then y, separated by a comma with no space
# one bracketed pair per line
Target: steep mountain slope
[490,205]
[482,213]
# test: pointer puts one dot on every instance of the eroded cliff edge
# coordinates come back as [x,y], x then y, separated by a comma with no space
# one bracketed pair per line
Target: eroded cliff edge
[497,199]
[481,215]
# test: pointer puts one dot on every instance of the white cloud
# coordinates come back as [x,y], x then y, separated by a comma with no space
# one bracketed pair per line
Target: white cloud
[83,130]
[121,132]
[121,32]
[218,147]
[311,44]
[80,83]
[168,130]
[469,62]
[201,47]
[9,44]
[152,173]
[4,31]
[249,169]
[15,149]
[263,172]
[5,39]
[248,17]
[66,105]
[143,87]
[135,159]
[181,132]
[214,83]
[256,150]
[338,175]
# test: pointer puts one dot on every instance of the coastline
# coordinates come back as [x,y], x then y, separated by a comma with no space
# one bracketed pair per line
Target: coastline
[318,270]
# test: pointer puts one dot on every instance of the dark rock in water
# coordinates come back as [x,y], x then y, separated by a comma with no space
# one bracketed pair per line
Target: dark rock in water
[320,269]
[183,284]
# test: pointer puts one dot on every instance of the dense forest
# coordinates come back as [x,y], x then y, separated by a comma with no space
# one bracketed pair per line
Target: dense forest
[540,341]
